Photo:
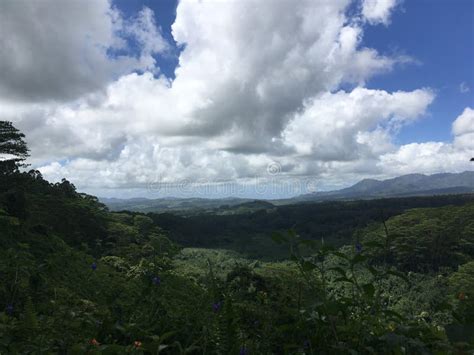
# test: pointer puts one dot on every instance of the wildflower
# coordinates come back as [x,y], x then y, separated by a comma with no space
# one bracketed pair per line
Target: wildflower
[243,351]
[462,296]
[358,248]
[94,342]
[137,344]
[156,281]
[9,309]
[307,344]
[94,266]
[216,307]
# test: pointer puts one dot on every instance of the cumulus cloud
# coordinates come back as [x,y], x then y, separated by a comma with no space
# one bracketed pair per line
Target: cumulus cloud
[463,129]
[252,65]
[60,50]
[254,87]
[432,157]
[346,126]
[378,11]
[246,68]
[428,158]
[464,123]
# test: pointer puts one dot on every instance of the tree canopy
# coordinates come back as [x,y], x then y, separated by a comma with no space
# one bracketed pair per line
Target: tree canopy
[13,148]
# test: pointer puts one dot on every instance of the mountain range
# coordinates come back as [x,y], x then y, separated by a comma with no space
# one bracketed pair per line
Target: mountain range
[402,186]
[405,185]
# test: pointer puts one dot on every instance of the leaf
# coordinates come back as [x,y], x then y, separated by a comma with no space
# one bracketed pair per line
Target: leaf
[373,270]
[192,349]
[166,335]
[373,244]
[341,255]
[394,314]
[343,279]
[358,259]
[443,306]
[398,274]
[369,290]
[307,266]
[325,248]
[162,347]
[339,270]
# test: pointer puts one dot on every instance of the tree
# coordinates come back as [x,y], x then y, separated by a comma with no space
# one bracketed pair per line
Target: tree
[13,148]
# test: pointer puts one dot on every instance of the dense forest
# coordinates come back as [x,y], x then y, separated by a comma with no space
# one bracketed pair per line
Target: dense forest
[247,233]
[392,276]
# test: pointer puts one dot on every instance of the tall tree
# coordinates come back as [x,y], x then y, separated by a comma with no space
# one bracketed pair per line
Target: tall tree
[13,148]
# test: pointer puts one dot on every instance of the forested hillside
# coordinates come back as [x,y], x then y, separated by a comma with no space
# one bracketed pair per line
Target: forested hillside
[77,278]
[248,233]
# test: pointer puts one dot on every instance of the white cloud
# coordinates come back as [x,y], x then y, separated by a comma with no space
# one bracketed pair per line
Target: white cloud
[252,65]
[378,11]
[432,157]
[464,88]
[464,123]
[463,130]
[428,158]
[254,86]
[60,50]
[344,126]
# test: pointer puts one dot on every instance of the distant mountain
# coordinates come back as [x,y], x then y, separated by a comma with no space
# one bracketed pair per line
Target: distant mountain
[402,186]
[171,204]
[406,185]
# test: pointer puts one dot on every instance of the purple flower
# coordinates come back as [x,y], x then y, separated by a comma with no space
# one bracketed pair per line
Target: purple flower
[358,247]
[94,266]
[216,307]
[9,309]
[243,351]
[156,281]
[307,344]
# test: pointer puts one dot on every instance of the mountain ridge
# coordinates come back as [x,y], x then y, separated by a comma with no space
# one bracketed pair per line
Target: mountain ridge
[402,186]
[406,185]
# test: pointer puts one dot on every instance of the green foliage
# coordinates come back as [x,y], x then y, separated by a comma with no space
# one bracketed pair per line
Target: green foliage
[427,239]
[248,233]
[462,289]
[351,311]
[12,147]
[76,278]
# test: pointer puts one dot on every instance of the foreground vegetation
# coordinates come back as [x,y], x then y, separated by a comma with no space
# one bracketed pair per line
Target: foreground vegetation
[77,278]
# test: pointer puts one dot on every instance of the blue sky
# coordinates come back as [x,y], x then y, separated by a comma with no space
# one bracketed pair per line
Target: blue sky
[439,34]
[165,14]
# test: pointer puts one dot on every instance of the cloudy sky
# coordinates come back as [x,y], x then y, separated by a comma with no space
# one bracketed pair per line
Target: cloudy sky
[261,98]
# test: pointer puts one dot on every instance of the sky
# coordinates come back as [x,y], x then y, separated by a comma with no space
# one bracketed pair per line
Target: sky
[250,98]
